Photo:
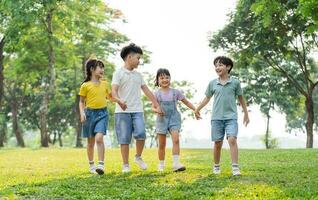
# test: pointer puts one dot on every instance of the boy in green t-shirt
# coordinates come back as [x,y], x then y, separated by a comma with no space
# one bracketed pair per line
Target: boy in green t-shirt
[224,115]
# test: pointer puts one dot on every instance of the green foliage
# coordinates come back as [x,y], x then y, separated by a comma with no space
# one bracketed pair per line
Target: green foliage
[270,174]
[270,41]
[79,29]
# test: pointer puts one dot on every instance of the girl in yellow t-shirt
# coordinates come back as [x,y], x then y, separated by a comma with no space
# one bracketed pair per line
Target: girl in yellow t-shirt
[94,93]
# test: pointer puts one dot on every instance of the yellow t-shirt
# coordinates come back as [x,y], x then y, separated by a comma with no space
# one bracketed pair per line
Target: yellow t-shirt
[96,94]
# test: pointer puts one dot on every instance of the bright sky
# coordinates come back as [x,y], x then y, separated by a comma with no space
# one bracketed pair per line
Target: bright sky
[176,32]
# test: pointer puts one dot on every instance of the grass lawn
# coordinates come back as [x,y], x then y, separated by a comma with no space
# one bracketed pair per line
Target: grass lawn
[63,174]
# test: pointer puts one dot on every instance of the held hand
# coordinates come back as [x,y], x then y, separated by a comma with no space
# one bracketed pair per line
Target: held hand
[159,111]
[197,115]
[123,105]
[83,117]
[246,120]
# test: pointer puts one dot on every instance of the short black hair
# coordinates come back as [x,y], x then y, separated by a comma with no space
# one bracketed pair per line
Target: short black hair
[161,71]
[131,48]
[224,60]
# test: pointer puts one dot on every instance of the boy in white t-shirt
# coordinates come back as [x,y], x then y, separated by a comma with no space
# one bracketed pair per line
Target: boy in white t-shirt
[127,84]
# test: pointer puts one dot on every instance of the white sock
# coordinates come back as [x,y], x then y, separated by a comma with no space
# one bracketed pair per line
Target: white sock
[91,163]
[161,162]
[175,159]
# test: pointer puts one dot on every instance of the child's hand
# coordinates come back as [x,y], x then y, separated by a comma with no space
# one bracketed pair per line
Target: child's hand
[83,117]
[123,105]
[159,111]
[246,120]
[197,115]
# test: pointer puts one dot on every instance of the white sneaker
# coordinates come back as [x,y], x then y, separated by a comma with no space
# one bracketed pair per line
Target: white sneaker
[178,167]
[125,169]
[236,171]
[140,163]
[161,168]
[100,169]
[92,169]
[216,169]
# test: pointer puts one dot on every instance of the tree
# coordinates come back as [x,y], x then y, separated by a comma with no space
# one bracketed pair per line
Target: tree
[274,32]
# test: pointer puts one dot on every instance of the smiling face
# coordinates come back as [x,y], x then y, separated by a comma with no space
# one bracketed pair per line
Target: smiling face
[164,81]
[133,60]
[221,69]
[98,72]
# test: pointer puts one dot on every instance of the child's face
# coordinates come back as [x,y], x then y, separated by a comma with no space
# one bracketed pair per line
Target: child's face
[98,72]
[164,80]
[221,69]
[134,59]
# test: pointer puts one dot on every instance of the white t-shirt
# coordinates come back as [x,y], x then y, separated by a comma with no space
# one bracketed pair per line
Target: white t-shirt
[129,90]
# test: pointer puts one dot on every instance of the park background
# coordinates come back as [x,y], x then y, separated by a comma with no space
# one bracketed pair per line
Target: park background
[43,49]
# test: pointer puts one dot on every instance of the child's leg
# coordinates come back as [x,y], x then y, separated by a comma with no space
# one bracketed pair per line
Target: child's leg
[217,151]
[100,146]
[100,151]
[233,148]
[139,147]
[90,148]
[177,166]
[124,148]
[175,143]
[162,146]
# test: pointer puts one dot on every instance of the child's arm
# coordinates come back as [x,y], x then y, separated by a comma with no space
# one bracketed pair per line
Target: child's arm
[115,98]
[246,119]
[202,104]
[81,108]
[188,104]
[152,98]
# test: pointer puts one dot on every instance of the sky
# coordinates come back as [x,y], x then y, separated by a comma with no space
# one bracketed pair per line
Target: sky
[176,32]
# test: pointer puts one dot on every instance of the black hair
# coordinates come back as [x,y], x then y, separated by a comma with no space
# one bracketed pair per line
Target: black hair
[91,64]
[160,72]
[225,61]
[131,48]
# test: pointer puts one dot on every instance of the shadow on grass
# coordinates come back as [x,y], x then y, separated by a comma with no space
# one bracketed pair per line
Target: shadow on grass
[191,184]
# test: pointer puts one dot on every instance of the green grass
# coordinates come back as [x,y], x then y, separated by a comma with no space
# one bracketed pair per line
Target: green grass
[63,174]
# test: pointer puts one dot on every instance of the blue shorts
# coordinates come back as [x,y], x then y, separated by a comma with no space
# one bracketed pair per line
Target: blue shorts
[96,122]
[221,127]
[168,123]
[128,124]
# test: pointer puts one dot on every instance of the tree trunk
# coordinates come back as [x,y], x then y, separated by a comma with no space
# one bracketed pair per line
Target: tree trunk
[1,72]
[15,123]
[54,137]
[267,131]
[49,83]
[310,120]
[60,139]
[3,131]
[78,123]
[43,121]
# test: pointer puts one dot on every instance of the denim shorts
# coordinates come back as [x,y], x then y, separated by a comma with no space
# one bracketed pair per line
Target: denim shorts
[168,123]
[128,125]
[221,127]
[96,122]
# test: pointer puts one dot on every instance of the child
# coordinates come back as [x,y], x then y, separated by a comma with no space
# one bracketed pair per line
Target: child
[127,84]
[170,120]
[224,114]
[93,110]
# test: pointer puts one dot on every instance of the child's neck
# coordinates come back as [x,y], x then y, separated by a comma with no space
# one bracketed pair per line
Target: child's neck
[165,89]
[95,79]
[127,66]
[224,77]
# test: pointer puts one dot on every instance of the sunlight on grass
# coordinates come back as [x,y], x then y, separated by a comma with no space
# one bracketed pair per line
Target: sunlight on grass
[63,174]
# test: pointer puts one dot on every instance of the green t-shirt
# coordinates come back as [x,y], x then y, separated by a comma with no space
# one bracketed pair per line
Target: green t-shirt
[224,105]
